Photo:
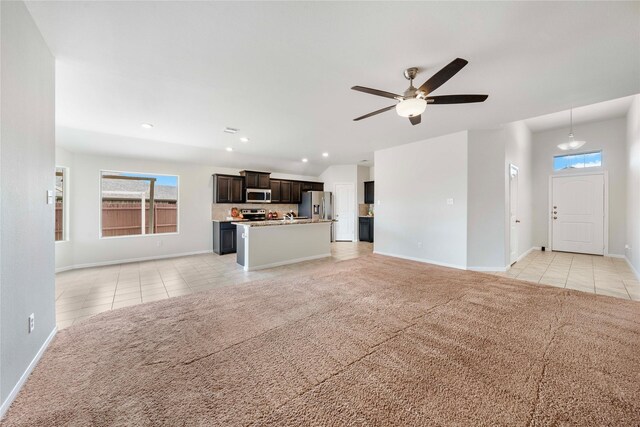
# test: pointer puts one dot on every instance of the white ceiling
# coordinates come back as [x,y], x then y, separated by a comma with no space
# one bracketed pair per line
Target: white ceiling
[281,72]
[589,113]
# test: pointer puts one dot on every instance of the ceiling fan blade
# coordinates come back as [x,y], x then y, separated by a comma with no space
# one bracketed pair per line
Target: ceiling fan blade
[455,99]
[382,110]
[415,120]
[376,92]
[443,75]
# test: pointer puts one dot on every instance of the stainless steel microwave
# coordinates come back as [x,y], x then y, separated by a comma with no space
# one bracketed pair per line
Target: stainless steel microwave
[258,195]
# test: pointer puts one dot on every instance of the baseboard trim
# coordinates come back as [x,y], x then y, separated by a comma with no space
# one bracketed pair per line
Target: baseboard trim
[527,252]
[424,260]
[616,256]
[482,269]
[290,261]
[636,272]
[23,378]
[129,260]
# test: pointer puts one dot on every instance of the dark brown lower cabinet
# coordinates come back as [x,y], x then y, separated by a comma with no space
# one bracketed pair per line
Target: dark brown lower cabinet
[365,229]
[224,238]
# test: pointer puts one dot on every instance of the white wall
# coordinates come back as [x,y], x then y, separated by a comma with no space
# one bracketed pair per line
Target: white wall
[633,185]
[491,152]
[27,138]
[413,183]
[610,136]
[486,200]
[519,152]
[363,174]
[86,248]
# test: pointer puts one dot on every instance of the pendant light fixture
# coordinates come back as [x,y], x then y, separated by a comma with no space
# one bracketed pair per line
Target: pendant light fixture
[572,143]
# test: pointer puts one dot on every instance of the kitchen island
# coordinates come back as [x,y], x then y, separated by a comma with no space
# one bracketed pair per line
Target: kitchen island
[264,244]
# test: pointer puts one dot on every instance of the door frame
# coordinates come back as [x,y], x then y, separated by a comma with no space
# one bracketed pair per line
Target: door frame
[511,167]
[605,175]
[354,235]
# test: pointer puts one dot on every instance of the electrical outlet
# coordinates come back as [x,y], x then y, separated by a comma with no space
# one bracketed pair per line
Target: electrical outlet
[449,201]
[159,243]
[419,244]
[49,197]
[32,322]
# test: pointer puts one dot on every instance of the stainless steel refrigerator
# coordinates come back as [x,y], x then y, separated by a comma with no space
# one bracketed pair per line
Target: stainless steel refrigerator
[317,205]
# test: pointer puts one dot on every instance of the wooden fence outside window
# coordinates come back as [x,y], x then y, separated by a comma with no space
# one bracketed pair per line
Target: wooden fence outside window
[124,217]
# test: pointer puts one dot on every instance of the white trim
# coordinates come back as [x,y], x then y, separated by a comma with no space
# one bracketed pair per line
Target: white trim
[531,249]
[507,268]
[128,260]
[500,269]
[426,261]
[23,378]
[606,207]
[289,261]
[616,256]
[636,272]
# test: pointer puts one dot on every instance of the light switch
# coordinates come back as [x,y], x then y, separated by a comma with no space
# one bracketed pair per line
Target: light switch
[49,197]
[449,201]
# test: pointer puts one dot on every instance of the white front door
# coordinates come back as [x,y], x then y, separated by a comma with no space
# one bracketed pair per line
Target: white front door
[577,216]
[513,213]
[345,205]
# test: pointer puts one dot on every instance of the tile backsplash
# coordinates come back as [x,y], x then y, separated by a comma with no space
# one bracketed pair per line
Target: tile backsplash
[364,209]
[221,211]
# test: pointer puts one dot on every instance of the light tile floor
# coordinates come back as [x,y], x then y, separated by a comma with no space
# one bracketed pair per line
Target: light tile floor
[588,273]
[83,293]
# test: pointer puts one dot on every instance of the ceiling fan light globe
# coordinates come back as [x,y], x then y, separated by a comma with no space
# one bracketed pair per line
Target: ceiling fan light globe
[411,107]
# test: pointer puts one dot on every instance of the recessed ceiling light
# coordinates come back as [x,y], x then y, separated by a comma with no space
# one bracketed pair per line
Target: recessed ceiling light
[229,149]
[305,160]
[147,125]
[325,154]
[230,130]
[244,139]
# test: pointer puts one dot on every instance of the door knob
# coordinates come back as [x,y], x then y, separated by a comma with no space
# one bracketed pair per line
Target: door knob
[555,217]
[555,212]
[517,221]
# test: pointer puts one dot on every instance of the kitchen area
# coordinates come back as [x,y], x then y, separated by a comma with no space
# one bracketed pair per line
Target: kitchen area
[269,222]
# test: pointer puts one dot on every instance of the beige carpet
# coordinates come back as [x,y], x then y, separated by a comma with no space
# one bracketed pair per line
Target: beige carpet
[374,341]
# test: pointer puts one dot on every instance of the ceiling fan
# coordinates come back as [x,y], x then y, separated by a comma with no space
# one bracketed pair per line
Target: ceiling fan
[414,101]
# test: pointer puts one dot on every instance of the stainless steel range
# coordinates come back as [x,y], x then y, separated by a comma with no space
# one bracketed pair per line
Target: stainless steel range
[254,214]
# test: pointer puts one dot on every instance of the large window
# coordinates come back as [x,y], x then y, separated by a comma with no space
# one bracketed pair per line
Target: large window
[138,204]
[60,205]
[577,161]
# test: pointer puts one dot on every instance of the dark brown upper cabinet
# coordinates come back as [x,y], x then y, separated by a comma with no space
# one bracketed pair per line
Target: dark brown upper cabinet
[296,192]
[307,186]
[275,190]
[228,189]
[317,186]
[256,179]
[285,191]
[369,196]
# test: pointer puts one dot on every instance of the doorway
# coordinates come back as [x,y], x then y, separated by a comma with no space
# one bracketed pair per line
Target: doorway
[345,204]
[578,213]
[513,213]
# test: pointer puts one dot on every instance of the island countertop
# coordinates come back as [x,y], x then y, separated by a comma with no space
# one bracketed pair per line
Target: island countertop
[276,222]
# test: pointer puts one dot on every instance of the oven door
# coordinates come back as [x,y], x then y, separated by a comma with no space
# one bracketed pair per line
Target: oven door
[258,196]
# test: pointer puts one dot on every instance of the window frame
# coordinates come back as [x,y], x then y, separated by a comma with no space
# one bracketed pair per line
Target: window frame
[65,204]
[582,153]
[150,174]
